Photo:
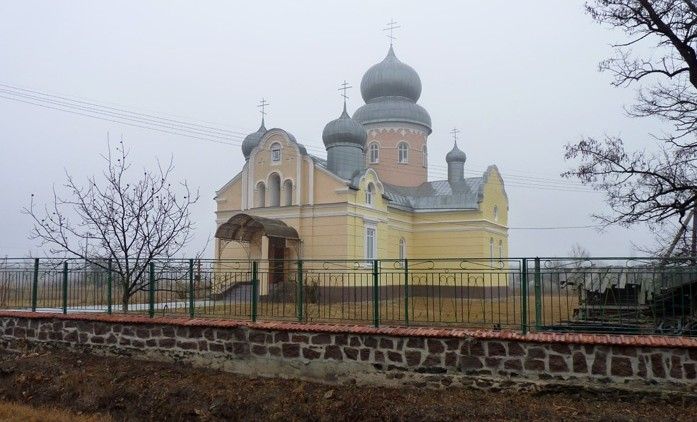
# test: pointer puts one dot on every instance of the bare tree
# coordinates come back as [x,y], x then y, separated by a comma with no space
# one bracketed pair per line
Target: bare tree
[132,221]
[643,186]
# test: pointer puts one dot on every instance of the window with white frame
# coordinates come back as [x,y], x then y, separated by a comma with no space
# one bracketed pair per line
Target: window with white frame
[276,152]
[369,194]
[374,153]
[500,249]
[491,250]
[370,242]
[402,249]
[424,155]
[403,151]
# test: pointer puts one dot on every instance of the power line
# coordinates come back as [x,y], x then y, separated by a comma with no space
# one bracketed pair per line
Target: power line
[556,228]
[122,115]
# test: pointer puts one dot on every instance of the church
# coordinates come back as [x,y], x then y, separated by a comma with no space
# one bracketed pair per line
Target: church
[371,197]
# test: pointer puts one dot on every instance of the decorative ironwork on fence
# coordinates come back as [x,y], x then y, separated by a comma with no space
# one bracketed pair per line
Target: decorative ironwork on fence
[618,295]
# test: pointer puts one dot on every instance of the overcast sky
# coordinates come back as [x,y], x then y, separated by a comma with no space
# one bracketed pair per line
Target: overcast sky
[519,79]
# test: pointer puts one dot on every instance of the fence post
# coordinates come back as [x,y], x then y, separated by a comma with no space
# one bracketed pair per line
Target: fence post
[191,288]
[65,287]
[376,294]
[255,287]
[406,292]
[524,298]
[109,282]
[538,295]
[35,285]
[151,291]
[299,295]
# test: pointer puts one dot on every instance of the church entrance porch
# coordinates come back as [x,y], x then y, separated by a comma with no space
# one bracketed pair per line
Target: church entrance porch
[270,241]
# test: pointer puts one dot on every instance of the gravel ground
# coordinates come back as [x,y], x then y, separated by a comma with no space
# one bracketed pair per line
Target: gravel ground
[127,389]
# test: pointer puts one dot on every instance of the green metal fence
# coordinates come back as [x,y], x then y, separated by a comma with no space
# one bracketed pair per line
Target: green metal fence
[609,295]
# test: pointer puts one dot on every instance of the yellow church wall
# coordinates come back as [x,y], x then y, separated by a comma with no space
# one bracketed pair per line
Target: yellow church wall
[331,219]
[494,206]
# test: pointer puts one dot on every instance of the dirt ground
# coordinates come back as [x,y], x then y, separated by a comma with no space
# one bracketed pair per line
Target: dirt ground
[123,389]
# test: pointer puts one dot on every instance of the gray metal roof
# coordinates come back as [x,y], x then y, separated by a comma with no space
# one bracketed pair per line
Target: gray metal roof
[456,155]
[438,194]
[245,227]
[435,195]
[344,130]
[391,89]
[393,109]
[252,140]
[390,77]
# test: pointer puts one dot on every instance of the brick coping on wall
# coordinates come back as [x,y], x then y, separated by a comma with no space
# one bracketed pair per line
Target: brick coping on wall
[481,334]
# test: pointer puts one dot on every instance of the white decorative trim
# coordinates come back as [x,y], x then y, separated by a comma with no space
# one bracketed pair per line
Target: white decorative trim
[311,176]
[298,178]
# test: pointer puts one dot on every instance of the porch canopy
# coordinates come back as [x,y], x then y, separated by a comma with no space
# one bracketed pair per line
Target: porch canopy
[243,227]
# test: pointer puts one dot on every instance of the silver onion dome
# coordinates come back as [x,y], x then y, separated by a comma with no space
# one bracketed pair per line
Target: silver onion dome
[390,90]
[456,155]
[252,140]
[391,78]
[344,130]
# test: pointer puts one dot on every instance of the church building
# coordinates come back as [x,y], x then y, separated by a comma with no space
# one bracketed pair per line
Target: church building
[371,197]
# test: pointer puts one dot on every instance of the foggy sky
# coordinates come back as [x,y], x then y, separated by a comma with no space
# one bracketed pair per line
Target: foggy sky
[519,79]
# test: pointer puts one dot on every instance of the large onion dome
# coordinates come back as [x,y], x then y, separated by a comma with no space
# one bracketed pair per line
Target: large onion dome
[390,90]
[456,155]
[391,78]
[344,130]
[252,140]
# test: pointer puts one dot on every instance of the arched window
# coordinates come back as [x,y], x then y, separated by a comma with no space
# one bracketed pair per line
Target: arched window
[424,156]
[496,213]
[500,249]
[275,152]
[369,193]
[491,251]
[261,195]
[403,151]
[374,153]
[287,193]
[274,190]
[402,249]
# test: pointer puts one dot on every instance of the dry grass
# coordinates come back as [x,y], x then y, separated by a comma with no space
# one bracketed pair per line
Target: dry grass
[488,313]
[21,412]
[502,310]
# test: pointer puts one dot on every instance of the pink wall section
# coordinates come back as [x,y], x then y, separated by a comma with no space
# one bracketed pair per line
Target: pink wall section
[412,173]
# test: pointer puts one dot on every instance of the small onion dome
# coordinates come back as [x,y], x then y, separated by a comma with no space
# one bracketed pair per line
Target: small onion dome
[252,140]
[344,130]
[455,155]
[391,78]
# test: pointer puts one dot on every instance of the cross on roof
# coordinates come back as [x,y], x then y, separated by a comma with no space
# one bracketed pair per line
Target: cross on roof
[454,132]
[344,87]
[391,26]
[262,106]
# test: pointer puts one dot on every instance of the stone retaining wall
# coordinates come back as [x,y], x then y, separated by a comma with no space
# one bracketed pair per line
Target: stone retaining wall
[389,356]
